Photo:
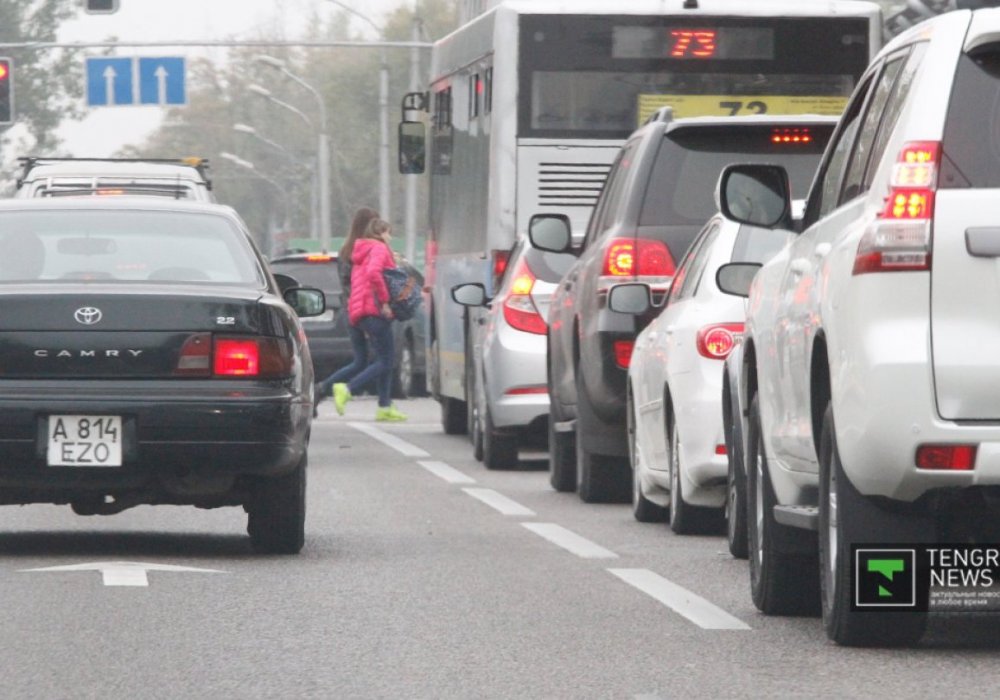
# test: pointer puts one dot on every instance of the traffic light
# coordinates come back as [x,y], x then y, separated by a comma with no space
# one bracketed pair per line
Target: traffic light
[101,7]
[6,91]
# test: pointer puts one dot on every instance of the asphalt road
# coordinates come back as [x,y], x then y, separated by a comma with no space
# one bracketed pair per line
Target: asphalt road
[424,576]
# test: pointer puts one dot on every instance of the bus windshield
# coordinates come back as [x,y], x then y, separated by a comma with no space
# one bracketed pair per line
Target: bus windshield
[602,77]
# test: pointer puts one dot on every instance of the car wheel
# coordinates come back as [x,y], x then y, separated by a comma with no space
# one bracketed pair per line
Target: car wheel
[599,478]
[685,519]
[499,449]
[736,493]
[453,416]
[780,583]
[403,379]
[847,518]
[562,454]
[477,435]
[276,512]
[643,509]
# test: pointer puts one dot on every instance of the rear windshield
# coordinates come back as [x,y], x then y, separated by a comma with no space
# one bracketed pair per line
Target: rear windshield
[971,144]
[322,275]
[548,267]
[682,187]
[124,246]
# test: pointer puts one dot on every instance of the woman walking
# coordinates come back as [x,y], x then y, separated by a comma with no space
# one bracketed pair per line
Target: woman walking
[368,309]
[359,345]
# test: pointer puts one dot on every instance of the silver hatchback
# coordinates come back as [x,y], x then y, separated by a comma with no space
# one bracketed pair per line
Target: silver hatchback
[507,375]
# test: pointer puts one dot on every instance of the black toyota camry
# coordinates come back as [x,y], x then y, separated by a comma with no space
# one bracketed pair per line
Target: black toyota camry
[147,356]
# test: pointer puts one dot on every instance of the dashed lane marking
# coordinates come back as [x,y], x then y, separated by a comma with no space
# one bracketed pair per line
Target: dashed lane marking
[499,502]
[570,541]
[680,600]
[447,472]
[401,446]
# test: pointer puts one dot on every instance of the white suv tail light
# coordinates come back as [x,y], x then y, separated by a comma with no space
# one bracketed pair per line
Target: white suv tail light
[900,240]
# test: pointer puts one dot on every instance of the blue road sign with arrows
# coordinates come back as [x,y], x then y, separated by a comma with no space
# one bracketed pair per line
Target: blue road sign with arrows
[109,82]
[161,81]
[122,82]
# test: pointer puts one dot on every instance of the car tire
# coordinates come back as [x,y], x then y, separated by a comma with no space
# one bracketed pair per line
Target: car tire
[453,415]
[686,519]
[599,478]
[276,512]
[781,583]
[562,448]
[404,373]
[847,518]
[499,449]
[643,509]
[736,491]
[477,436]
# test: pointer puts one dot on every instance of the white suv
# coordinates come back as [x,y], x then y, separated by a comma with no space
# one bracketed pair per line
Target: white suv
[871,360]
[177,178]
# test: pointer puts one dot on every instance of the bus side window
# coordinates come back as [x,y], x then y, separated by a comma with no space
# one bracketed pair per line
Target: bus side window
[442,132]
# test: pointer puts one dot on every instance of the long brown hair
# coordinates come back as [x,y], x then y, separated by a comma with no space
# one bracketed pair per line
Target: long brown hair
[362,218]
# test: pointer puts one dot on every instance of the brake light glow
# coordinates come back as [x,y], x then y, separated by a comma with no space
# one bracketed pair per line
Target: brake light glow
[623,352]
[499,265]
[900,239]
[319,258]
[236,357]
[109,192]
[791,136]
[527,390]
[947,457]
[519,308]
[720,450]
[718,340]
[642,259]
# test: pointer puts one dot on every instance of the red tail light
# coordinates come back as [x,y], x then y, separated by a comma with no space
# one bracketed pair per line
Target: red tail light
[236,357]
[637,257]
[319,258]
[527,390]
[900,241]
[947,457]
[519,309]
[203,356]
[623,352]
[718,340]
[791,136]
[499,266]
[720,450]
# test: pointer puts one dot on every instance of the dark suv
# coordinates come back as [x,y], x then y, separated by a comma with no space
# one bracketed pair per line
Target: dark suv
[658,195]
[328,339]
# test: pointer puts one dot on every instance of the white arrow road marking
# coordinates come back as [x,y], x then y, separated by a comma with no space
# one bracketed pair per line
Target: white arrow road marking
[499,502]
[109,83]
[680,600]
[447,472]
[161,85]
[570,541]
[401,446]
[124,573]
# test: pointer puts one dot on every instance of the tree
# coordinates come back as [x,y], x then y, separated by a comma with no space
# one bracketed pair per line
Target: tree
[46,82]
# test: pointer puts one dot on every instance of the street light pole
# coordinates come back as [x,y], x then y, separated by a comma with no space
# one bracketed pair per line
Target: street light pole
[322,148]
[384,192]
[295,160]
[286,199]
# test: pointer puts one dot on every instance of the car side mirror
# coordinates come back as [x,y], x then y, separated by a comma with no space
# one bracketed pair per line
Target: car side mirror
[471,294]
[306,301]
[758,195]
[630,298]
[736,278]
[551,233]
[412,148]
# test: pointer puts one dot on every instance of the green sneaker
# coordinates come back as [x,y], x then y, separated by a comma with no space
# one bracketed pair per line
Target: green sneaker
[341,395]
[389,414]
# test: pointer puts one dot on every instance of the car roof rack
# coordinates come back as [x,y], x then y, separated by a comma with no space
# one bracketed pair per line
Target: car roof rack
[30,162]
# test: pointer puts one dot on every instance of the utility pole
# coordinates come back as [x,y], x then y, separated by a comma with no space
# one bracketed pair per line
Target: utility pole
[410,224]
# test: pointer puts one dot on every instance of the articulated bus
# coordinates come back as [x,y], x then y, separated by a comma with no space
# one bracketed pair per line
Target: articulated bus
[530,101]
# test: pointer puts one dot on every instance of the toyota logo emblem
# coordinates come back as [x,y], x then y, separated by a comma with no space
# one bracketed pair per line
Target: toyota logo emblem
[87,315]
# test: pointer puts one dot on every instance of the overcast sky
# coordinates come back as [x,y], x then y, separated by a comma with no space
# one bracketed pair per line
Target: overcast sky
[106,129]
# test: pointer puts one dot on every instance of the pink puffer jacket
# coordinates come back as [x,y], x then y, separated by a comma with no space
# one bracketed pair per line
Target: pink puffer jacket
[368,290]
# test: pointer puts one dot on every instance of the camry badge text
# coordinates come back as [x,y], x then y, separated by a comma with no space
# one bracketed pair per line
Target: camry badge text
[87,353]
[87,315]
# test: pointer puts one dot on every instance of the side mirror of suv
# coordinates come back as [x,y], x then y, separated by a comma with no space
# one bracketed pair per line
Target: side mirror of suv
[631,298]
[735,278]
[551,233]
[758,195]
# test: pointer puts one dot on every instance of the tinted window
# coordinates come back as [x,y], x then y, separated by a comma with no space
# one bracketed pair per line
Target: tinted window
[321,275]
[610,200]
[681,190]
[972,133]
[124,245]
[869,127]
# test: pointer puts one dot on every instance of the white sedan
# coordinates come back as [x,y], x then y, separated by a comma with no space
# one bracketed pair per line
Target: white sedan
[677,446]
